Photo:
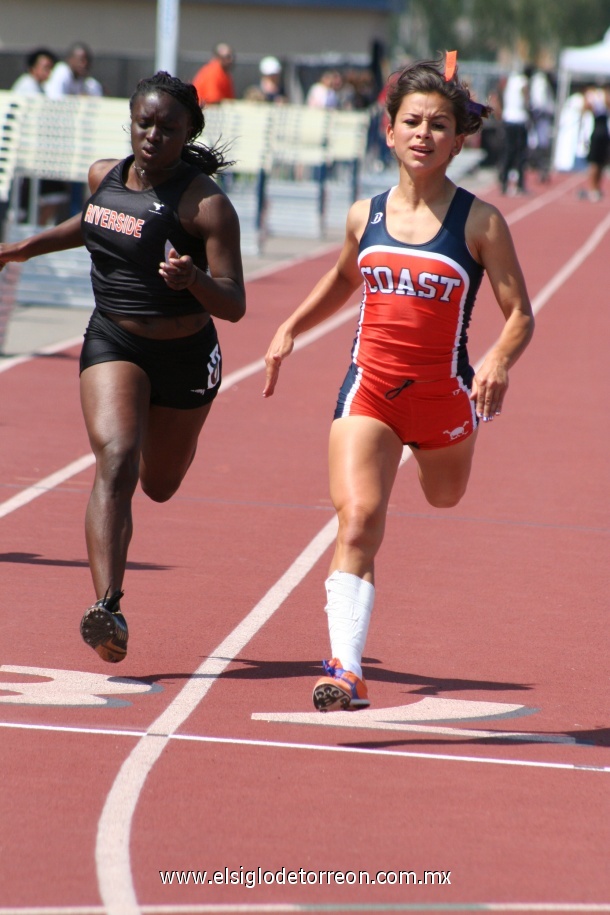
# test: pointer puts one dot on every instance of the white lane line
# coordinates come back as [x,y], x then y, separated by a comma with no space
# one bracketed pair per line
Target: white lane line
[329,748]
[272,269]
[49,350]
[69,728]
[543,200]
[38,489]
[572,265]
[306,339]
[326,907]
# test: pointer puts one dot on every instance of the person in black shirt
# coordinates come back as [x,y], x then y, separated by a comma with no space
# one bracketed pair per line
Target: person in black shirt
[165,248]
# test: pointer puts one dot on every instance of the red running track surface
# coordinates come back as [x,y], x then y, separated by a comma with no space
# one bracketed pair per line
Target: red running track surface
[484,759]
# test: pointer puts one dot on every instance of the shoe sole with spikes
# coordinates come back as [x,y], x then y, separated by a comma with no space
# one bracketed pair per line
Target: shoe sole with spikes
[105,630]
[329,696]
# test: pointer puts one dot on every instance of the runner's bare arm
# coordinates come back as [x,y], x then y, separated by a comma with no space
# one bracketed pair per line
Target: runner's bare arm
[492,244]
[327,297]
[62,237]
[220,287]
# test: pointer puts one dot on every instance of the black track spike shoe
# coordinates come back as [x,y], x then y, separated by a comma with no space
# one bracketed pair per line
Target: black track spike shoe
[105,628]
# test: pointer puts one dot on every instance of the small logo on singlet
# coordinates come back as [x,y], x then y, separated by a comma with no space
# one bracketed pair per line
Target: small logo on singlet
[376,218]
[158,208]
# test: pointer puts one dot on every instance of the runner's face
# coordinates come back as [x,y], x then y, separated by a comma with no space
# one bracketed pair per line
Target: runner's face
[423,133]
[160,127]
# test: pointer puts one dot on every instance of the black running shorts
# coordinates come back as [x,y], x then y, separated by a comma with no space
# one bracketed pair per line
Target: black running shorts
[184,373]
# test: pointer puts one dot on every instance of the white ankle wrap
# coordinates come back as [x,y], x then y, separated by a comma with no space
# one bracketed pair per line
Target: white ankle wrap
[349,606]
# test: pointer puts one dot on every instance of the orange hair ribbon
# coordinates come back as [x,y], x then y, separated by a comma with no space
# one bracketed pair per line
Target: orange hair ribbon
[450,65]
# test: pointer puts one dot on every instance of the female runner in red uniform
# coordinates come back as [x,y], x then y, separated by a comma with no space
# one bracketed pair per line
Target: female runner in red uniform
[420,249]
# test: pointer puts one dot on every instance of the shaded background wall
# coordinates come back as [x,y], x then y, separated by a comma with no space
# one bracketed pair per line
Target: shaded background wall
[122,33]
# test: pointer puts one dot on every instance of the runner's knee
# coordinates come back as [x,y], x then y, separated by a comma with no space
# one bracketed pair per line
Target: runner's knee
[445,496]
[160,490]
[361,529]
[117,468]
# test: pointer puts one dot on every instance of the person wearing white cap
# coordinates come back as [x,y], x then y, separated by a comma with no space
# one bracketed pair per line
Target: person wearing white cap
[271,79]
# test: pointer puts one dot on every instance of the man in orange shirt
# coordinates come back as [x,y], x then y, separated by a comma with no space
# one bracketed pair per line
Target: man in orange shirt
[214,81]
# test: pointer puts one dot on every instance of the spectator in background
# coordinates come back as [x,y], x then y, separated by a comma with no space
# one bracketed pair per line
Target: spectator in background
[596,101]
[326,92]
[71,77]
[214,82]
[542,113]
[39,63]
[358,92]
[270,83]
[574,126]
[376,143]
[51,194]
[515,118]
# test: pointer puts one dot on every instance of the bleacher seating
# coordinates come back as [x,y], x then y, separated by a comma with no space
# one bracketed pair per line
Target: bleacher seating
[244,129]
[59,139]
[11,108]
[295,189]
[347,140]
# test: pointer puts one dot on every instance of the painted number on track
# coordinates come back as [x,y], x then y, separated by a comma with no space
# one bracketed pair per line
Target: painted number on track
[46,686]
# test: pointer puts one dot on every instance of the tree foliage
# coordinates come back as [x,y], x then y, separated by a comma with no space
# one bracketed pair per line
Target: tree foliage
[483,29]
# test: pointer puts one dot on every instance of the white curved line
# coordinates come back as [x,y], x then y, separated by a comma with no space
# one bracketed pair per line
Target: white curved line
[113,836]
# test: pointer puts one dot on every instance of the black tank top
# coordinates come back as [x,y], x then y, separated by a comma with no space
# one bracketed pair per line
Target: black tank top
[126,233]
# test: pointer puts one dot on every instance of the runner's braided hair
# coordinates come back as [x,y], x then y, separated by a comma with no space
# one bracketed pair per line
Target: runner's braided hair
[428,76]
[209,160]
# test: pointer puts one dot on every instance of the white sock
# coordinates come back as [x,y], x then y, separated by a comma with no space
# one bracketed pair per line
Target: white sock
[349,606]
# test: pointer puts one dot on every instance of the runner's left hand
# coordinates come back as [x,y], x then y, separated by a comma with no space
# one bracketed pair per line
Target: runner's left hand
[178,272]
[489,387]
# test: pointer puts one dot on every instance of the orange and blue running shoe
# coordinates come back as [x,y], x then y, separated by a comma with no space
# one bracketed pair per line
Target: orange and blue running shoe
[105,628]
[339,690]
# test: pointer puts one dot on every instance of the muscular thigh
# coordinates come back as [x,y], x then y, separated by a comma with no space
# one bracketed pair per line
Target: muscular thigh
[114,399]
[364,456]
[171,441]
[444,472]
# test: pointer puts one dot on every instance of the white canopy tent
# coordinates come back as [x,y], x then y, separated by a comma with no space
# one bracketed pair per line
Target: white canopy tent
[594,60]
[588,64]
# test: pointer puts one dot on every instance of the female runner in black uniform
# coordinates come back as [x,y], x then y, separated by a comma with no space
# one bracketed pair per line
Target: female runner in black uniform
[165,249]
